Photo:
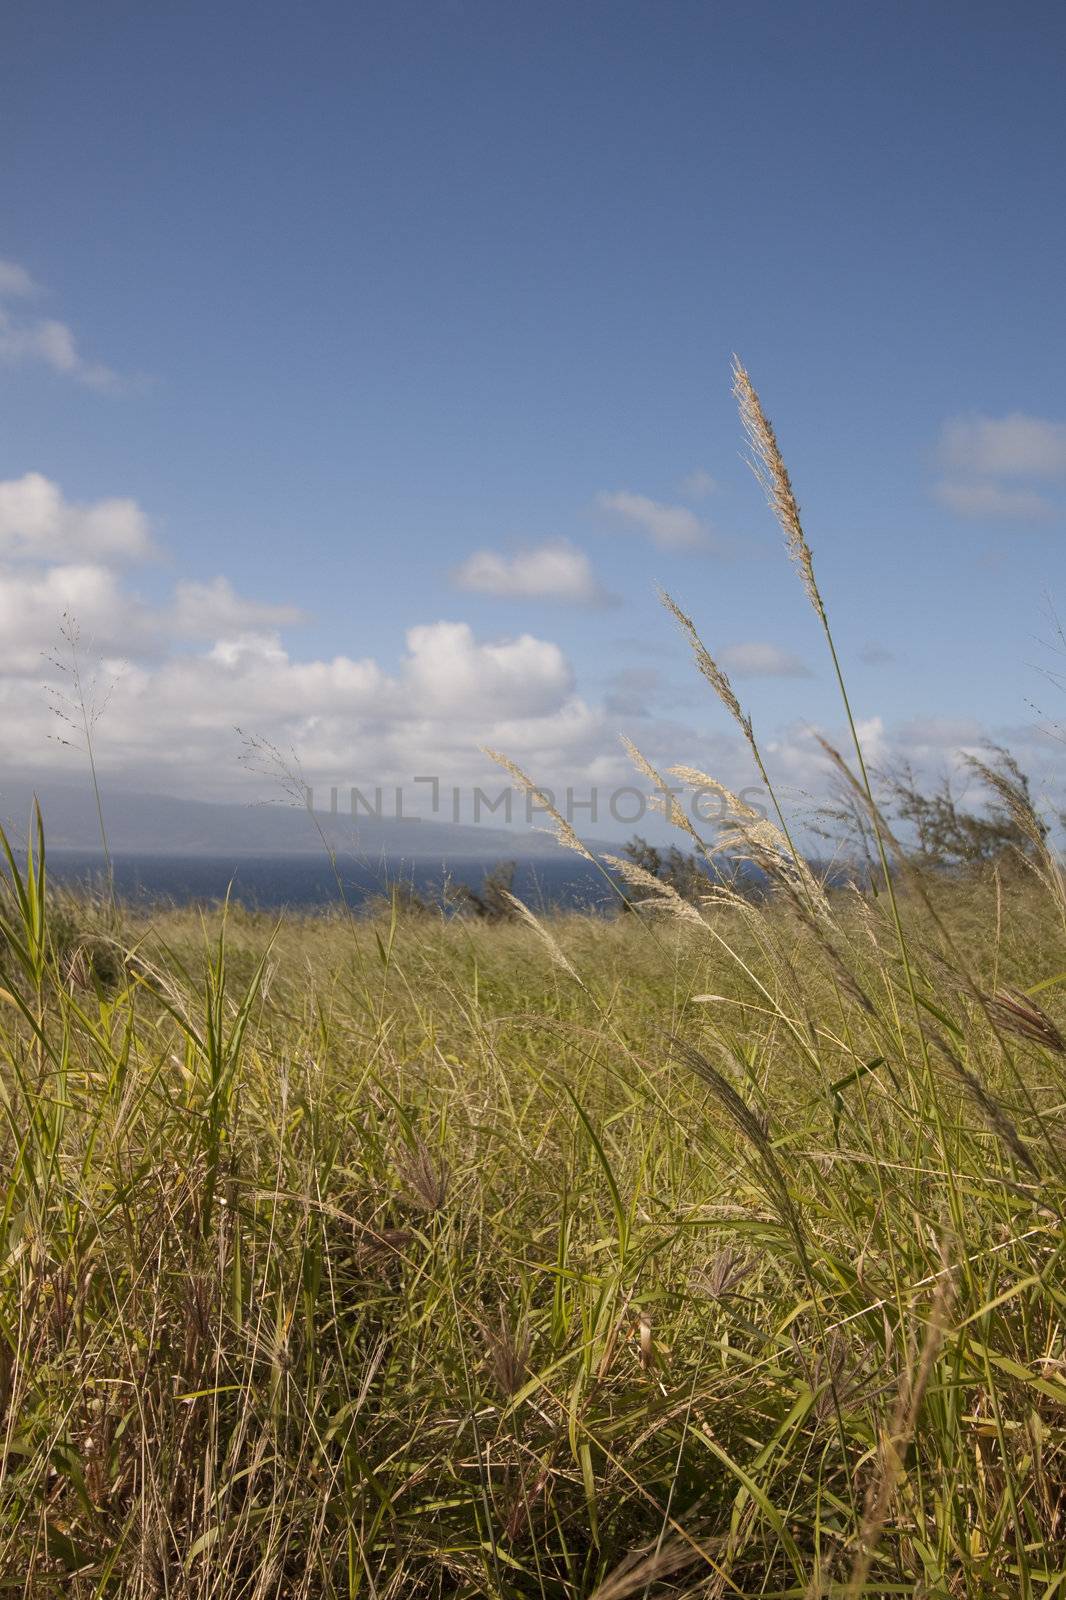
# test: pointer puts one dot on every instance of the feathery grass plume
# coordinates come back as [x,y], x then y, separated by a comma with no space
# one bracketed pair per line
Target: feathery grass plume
[722,687]
[727,1271]
[562,830]
[507,1352]
[1011,786]
[835,1377]
[757,840]
[425,1180]
[522,911]
[716,676]
[674,813]
[720,894]
[695,779]
[766,847]
[662,895]
[751,1125]
[1019,1014]
[769,468]
[263,757]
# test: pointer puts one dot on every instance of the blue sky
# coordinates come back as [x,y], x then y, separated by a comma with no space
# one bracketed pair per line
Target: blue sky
[353,294]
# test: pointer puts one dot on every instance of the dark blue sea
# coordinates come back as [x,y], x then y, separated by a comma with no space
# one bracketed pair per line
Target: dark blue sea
[308,882]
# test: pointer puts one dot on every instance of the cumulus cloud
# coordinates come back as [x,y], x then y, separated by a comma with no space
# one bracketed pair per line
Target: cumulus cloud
[450,672]
[38,523]
[212,610]
[755,658]
[553,571]
[698,484]
[670,527]
[34,600]
[983,499]
[45,340]
[15,282]
[1013,446]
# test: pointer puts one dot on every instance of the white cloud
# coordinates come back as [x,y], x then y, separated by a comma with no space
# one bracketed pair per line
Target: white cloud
[15,282]
[44,339]
[670,527]
[33,602]
[555,571]
[213,610]
[1013,446]
[451,673]
[992,500]
[38,523]
[755,658]
[698,485]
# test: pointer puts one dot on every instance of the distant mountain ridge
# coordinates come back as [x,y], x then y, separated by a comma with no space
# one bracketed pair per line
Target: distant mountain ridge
[169,825]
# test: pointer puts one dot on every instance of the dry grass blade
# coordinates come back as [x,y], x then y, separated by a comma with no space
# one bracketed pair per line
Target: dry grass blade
[639,1571]
[995,1115]
[901,1431]
[727,1271]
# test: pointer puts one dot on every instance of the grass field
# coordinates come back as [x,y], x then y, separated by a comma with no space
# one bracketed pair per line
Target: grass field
[426,1258]
[716,1249]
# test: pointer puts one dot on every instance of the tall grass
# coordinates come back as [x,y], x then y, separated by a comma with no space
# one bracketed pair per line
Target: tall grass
[709,1251]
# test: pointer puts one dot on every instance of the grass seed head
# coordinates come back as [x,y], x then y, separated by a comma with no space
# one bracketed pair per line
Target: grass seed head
[769,467]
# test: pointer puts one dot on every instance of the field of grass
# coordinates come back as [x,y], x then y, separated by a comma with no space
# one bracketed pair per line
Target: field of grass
[715,1249]
[441,1258]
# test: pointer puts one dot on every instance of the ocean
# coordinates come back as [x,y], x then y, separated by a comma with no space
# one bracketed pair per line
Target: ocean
[308,882]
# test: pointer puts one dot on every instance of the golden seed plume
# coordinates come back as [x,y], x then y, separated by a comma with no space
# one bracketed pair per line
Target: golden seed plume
[695,779]
[667,802]
[662,896]
[562,830]
[1018,1013]
[715,675]
[521,910]
[769,467]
